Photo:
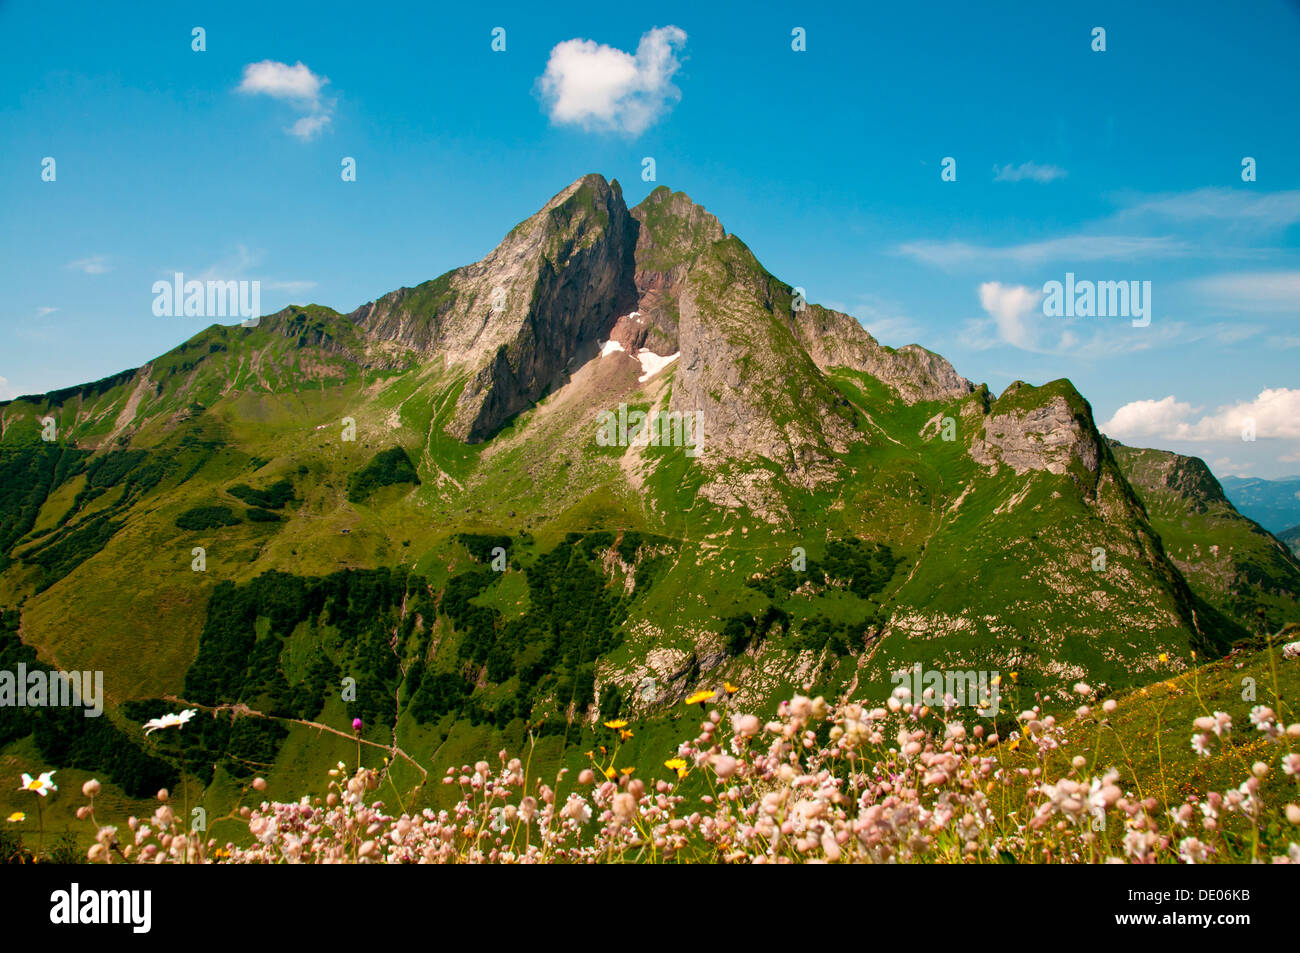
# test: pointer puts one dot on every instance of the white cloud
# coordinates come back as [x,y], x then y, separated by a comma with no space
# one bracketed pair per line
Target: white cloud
[1275,413]
[1015,318]
[42,312]
[1241,207]
[1016,312]
[309,126]
[1027,170]
[1148,418]
[1074,248]
[296,85]
[1253,291]
[599,87]
[94,265]
[6,392]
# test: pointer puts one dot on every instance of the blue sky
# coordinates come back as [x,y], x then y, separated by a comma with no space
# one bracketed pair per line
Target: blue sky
[1117,165]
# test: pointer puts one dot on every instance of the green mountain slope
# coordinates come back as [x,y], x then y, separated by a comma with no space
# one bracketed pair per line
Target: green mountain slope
[414,497]
[1230,560]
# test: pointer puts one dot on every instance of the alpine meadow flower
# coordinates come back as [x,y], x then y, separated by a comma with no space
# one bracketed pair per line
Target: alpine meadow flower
[41,785]
[170,721]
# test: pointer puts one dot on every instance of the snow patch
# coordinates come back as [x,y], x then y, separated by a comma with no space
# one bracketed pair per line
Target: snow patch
[610,347]
[653,363]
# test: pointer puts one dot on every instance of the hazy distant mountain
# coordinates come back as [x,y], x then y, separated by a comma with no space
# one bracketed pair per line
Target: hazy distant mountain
[1273,504]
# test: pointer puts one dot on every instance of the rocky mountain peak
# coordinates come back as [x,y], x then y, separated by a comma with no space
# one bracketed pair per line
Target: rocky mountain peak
[1040,428]
[514,321]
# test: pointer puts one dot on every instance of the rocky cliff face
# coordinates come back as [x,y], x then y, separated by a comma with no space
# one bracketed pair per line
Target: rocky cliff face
[834,339]
[1048,428]
[515,321]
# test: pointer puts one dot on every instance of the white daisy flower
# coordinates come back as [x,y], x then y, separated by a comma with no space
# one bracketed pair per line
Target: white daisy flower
[42,785]
[170,720]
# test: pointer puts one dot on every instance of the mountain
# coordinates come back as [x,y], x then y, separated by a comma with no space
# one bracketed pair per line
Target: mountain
[1291,538]
[1274,504]
[1230,560]
[438,513]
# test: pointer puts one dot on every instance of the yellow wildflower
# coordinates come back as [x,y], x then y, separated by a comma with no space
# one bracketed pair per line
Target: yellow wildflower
[701,697]
[678,765]
[620,723]
[17,817]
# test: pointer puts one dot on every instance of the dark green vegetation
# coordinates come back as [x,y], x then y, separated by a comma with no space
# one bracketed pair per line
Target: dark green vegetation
[207,517]
[388,467]
[27,476]
[112,484]
[66,737]
[274,497]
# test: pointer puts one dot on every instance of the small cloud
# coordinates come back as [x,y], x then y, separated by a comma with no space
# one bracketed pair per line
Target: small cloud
[1015,311]
[296,85]
[309,126]
[600,87]
[1027,170]
[95,265]
[42,312]
[6,392]
[1015,318]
